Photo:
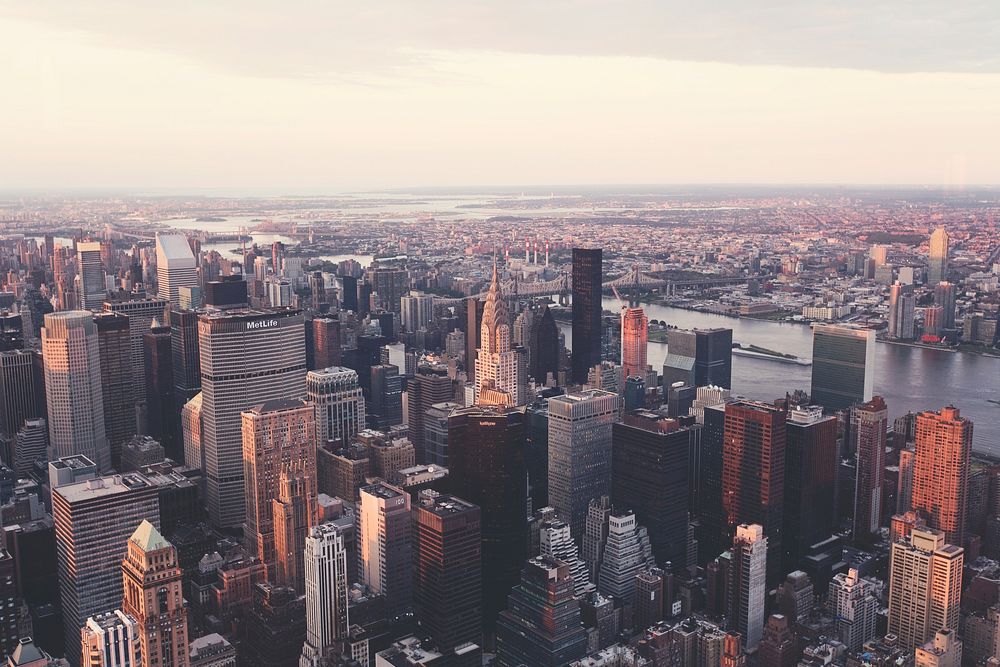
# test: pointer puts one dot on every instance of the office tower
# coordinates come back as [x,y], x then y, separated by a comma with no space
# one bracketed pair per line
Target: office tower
[587,309]
[447,570]
[416,311]
[869,422]
[649,605]
[650,462]
[429,386]
[388,285]
[901,310]
[596,534]
[228,292]
[625,554]
[117,383]
[326,593]
[473,330]
[90,269]
[11,332]
[748,586]
[386,405]
[778,646]
[186,356]
[176,267]
[937,257]
[279,292]
[435,441]
[193,432]
[496,360]
[189,298]
[93,520]
[31,443]
[140,313]
[160,405]
[294,513]
[941,471]
[111,639]
[542,625]
[853,601]
[753,476]
[556,540]
[326,342]
[276,434]
[246,358]
[11,605]
[486,456]
[73,388]
[350,293]
[635,340]
[22,394]
[843,366]
[275,628]
[699,357]
[879,253]
[154,597]
[904,499]
[944,296]
[580,452]
[925,582]
[342,471]
[810,481]
[543,346]
[340,405]
[386,545]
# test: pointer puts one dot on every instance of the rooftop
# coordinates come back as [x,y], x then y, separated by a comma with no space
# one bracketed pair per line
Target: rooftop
[100,487]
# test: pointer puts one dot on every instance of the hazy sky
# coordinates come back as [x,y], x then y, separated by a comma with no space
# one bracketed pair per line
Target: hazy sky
[334,95]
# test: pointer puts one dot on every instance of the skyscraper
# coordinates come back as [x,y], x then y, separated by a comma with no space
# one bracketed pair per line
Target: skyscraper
[326,593]
[186,356]
[543,346]
[748,586]
[93,521]
[587,308]
[486,456]
[843,366]
[699,357]
[385,545]
[340,405]
[635,340]
[448,584]
[753,476]
[117,383]
[937,257]
[326,342]
[941,471]
[73,388]
[496,360]
[925,586]
[869,422]
[246,358]
[161,409]
[90,269]
[944,296]
[541,626]
[140,313]
[154,597]
[176,267]
[430,385]
[416,311]
[385,409]
[22,392]
[276,434]
[853,601]
[294,513]
[473,331]
[580,452]
[626,553]
[901,311]
[111,639]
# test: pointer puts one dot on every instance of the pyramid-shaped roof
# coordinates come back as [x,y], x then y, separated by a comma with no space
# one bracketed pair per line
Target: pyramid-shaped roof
[148,538]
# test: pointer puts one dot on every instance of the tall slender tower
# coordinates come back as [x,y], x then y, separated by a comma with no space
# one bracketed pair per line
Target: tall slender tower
[294,514]
[496,359]
[748,587]
[140,313]
[587,307]
[176,267]
[869,423]
[937,258]
[325,569]
[73,387]
[635,340]
[941,471]
[154,597]
[385,545]
[115,348]
[90,269]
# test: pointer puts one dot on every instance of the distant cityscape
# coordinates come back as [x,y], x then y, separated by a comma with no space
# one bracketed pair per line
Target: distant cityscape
[618,427]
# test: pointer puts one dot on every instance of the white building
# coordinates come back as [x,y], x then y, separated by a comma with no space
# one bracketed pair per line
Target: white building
[326,592]
[749,582]
[111,640]
[176,267]
[416,311]
[853,602]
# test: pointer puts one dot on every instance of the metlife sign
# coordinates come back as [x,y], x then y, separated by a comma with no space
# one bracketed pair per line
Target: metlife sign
[261,324]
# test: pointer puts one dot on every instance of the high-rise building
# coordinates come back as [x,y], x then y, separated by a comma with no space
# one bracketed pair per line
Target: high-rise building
[699,357]
[473,330]
[340,405]
[555,540]
[650,463]
[176,267]
[748,586]
[925,586]
[447,570]
[294,513]
[186,357]
[596,534]
[9,598]
[117,383]
[626,553]
[778,647]
[154,597]
[944,650]
[588,271]
[161,410]
[486,460]
[325,571]
[94,519]
[111,639]
[277,434]
[941,471]
[436,433]
[31,443]
[246,358]
[635,341]
[901,311]
[386,545]
[543,346]
[141,313]
[22,391]
[416,311]
[429,386]
[809,514]
[853,601]
[753,476]
[385,409]
[73,388]
[944,296]
[937,257]
[843,366]
[326,342]
[388,285]
[192,433]
[497,366]
[580,452]
[869,423]
[90,269]
[542,626]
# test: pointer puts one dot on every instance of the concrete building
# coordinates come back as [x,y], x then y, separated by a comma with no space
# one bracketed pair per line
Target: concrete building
[385,542]
[340,405]
[111,639]
[748,585]
[176,267]
[941,471]
[326,588]
[854,603]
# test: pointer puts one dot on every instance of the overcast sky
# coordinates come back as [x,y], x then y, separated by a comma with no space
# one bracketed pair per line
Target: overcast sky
[331,95]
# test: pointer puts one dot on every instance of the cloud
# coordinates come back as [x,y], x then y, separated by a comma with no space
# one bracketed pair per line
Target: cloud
[388,38]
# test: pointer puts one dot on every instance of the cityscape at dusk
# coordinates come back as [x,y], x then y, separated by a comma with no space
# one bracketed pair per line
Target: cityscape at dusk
[565,334]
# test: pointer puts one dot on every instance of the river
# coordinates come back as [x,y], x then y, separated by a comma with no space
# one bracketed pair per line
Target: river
[909,378]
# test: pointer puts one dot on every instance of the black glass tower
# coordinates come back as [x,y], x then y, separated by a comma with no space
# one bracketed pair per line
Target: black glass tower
[587,271]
